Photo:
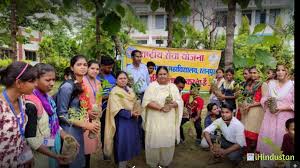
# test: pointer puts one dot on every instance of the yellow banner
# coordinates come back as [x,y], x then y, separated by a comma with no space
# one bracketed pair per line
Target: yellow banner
[194,65]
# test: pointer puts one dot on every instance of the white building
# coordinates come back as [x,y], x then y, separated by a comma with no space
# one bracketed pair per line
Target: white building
[156,34]
[26,51]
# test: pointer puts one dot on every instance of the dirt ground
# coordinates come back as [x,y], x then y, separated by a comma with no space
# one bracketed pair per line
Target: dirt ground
[187,155]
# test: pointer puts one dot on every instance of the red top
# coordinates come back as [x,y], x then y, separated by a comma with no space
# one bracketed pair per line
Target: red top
[152,77]
[196,105]
[257,95]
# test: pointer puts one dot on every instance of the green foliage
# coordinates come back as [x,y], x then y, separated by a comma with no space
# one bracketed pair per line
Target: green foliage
[275,148]
[75,114]
[281,49]
[263,51]
[26,17]
[112,23]
[259,28]
[245,27]
[130,20]
[186,36]
[59,63]
[56,49]
[88,46]
[5,62]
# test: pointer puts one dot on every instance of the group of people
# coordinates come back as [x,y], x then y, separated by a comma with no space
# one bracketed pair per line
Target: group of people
[126,118]
[260,111]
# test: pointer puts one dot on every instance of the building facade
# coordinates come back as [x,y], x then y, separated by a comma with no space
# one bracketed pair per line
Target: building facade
[206,11]
[26,51]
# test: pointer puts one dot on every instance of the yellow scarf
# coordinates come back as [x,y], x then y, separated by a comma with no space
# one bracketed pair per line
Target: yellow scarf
[118,99]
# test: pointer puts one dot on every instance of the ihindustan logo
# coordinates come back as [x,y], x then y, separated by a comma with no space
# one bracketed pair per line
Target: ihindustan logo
[270,157]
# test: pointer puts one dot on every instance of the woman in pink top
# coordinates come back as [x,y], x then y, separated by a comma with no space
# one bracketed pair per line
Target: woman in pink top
[93,86]
[273,125]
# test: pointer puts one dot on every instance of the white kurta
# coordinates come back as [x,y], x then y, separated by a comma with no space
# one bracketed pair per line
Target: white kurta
[161,129]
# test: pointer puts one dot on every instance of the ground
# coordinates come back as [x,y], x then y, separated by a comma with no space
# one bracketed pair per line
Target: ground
[187,155]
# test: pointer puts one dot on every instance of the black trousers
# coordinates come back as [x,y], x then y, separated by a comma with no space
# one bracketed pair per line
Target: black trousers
[102,120]
[197,125]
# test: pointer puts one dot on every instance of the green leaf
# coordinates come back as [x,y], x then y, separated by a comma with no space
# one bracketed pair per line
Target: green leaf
[271,40]
[259,28]
[120,95]
[154,5]
[265,57]
[112,23]
[120,9]
[239,62]
[253,39]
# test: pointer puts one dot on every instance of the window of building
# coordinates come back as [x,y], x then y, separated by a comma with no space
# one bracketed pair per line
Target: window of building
[221,17]
[142,41]
[260,16]
[144,19]
[248,14]
[30,55]
[160,22]
[159,41]
[273,14]
[5,53]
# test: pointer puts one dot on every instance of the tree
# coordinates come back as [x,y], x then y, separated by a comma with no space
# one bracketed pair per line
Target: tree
[16,13]
[230,25]
[186,36]
[108,15]
[208,21]
[173,8]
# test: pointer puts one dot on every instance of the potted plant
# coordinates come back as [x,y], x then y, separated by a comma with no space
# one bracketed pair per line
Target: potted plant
[70,147]
[96,107]
[276,150]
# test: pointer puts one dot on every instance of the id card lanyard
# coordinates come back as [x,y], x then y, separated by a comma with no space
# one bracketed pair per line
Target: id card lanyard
[20,124]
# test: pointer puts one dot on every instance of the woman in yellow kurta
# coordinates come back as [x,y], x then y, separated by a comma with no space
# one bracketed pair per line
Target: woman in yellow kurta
[161,119]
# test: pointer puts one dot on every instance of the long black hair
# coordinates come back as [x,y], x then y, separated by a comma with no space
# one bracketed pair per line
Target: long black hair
[21,70]
[43,68]
[77,90]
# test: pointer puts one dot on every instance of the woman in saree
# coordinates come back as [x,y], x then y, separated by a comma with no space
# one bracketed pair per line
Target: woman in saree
[252,112]
[121,138]
[163,108]
[273,124]
[45,133]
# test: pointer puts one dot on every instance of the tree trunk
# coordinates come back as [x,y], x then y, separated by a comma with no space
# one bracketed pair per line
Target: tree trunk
[118,44]
[98,38]
[120,50]
[230,33]
[170,16]
[13,29]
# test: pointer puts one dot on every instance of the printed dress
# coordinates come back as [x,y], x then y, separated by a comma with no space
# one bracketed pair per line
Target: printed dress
[11,142]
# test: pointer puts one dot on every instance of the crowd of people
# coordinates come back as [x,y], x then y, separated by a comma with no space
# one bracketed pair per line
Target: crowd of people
[97,109]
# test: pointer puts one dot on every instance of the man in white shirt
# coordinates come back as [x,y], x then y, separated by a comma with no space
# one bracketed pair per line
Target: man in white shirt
[232,139]
[141,80]
[139,72]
